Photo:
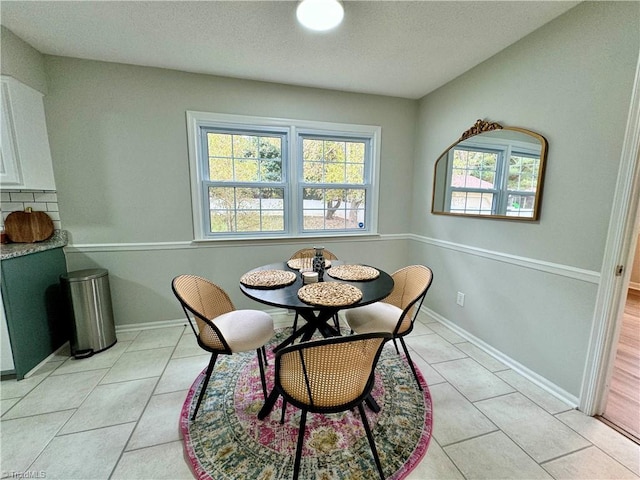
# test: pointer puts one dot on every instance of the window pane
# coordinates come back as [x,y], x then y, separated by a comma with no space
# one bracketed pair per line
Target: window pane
[355,174]
[313,209]
[313,220]
[245,146]
[223,221]
[270,152]
[270,144]
[333,209]
[244,158]
[312,172]
[523,173]
[247,198]
[272,221]
[312,150]
[220,169]
[520,205]
[355,152]
[355,208]
[248,221]
[332,161]
[334,151]
[246,171]
[272,199]
[472,202]
[222,198]
[219,144]
[334,173]
[271,170]
[474,169]
[235,209]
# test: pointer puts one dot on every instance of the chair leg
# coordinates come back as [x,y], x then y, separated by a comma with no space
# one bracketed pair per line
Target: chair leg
[262,379]
[396,345]
[268,404]
[374,451]
[264,355]
[413,369]
[296,465]
[336,322]
[212,363]
[295,322]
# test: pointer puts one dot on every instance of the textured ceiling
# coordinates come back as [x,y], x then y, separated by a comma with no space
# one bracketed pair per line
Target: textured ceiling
[398,48]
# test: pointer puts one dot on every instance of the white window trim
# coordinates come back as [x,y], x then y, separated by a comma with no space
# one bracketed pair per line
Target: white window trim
[196,119]
[504,148]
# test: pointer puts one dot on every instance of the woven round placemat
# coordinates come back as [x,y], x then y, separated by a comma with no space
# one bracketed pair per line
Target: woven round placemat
[353,272]
[329,294]
[268,278]
[300,263]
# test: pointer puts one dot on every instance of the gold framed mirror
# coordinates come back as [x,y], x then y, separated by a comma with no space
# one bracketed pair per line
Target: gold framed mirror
[491,171]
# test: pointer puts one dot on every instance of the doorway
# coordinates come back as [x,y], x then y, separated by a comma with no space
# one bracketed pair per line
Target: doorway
[622,408]
[615,276]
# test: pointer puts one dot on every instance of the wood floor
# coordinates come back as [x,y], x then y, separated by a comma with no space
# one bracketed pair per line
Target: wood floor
[623,403]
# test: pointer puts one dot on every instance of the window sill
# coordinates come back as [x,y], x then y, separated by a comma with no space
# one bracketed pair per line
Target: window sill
[283,240]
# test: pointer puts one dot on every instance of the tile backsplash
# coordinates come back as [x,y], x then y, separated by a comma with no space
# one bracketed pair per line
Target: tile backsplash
[38,200]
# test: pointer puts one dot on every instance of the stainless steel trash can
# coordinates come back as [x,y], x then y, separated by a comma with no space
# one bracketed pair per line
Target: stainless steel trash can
[89,302]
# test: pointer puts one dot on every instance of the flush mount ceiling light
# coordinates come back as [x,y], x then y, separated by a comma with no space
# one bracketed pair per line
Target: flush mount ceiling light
[320,15]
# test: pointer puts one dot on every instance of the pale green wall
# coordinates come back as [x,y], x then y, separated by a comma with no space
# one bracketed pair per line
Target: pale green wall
[570,81]
[119,145]
[21,61]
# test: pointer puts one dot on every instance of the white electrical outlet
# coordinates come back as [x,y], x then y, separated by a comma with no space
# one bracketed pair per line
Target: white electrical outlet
[460,299]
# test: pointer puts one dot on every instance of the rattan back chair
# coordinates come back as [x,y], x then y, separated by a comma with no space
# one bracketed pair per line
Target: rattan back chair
[220,328]
[330,375]
[397,312]
[310,253]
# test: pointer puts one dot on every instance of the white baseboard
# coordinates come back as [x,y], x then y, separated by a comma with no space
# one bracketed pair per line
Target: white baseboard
[530,375]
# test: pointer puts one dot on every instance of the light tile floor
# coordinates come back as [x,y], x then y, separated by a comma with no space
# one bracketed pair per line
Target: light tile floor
[115,416]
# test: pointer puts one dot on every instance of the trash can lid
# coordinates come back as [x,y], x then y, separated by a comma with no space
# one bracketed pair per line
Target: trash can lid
[83,275]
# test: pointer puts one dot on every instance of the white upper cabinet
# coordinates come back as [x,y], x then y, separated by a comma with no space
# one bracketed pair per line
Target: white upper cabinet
[25,157]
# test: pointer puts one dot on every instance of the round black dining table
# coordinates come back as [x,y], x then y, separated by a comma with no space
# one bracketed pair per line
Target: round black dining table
[316,316]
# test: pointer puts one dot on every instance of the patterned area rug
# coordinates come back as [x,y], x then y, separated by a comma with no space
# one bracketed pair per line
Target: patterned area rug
[227,441]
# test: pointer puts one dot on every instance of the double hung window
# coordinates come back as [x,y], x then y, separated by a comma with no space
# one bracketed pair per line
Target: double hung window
[492,179]
[261,177]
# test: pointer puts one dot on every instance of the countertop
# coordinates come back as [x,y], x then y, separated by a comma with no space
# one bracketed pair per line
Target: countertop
[59,239]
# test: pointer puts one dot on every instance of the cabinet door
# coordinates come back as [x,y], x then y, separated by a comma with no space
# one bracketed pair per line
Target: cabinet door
[34,306]
[6,354]
[9,165]
[28,129]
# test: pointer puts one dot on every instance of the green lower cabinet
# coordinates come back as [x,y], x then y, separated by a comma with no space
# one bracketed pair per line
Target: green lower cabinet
[34,307]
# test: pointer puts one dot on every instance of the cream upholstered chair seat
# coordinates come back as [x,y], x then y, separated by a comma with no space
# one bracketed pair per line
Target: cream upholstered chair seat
[396,313]
[375,317]
[244,330]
